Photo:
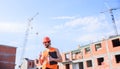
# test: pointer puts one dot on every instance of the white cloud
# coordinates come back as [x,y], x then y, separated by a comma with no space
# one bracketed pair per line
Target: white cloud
[64,17]
[73,23]
[90,28]
[88,23]
[11,27]
[88,37]
[91,37]
[15,43]
[85,29]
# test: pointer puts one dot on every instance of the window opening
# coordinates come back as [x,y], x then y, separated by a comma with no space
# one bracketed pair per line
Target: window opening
[116,42]
[100,60]
[117,57]
[98,46]
[89,63]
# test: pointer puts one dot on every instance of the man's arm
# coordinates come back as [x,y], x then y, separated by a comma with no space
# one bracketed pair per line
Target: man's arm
[41,58]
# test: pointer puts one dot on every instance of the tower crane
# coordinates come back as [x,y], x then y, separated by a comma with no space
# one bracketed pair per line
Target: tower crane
[110,10]
[113,19]
[26,35]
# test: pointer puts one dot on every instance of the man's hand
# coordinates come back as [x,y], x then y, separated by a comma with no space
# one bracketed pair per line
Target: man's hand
[50,58]
[41,58]
[40,55]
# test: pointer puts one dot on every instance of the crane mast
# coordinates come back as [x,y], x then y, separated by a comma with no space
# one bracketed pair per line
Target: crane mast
[113,19]
[26,36]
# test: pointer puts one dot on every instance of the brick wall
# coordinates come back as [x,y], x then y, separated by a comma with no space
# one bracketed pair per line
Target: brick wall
[98,55]
[7,57]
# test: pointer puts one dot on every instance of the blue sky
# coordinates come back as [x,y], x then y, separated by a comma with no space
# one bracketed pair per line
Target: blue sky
[68,23]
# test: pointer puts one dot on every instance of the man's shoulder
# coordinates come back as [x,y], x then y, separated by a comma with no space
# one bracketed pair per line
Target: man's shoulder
[54,48]
[45,50]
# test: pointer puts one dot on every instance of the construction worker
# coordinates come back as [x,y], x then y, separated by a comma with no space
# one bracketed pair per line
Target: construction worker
[51,56]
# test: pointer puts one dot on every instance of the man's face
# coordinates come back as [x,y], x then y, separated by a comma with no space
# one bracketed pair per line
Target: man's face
[47,44]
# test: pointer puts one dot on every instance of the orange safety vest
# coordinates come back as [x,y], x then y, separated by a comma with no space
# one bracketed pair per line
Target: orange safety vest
[50,65]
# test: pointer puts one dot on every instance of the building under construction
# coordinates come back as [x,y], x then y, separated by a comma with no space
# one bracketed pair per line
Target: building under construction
[7,57]
[104,54]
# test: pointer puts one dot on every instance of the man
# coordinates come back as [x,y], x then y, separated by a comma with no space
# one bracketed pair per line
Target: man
[51,56]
